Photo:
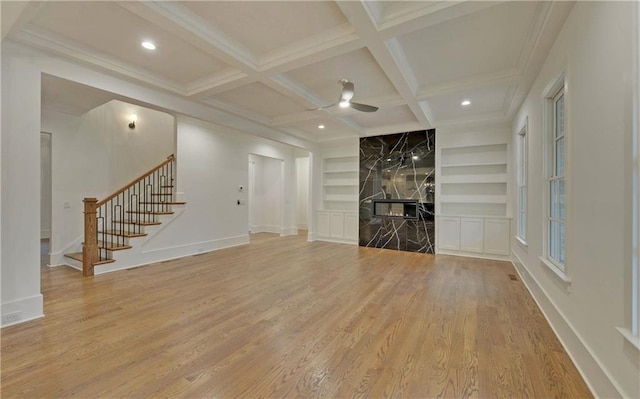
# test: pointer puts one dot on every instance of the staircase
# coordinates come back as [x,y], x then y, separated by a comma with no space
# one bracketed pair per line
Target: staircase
[110,225]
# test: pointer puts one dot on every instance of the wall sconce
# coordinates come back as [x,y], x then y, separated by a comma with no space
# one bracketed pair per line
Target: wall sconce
[133,118]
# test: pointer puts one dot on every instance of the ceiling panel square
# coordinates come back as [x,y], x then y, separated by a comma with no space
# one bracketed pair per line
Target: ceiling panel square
[485,42]
[484,100]
[261,99]
[332,127]
[108,29]
[359,66]
[264,26]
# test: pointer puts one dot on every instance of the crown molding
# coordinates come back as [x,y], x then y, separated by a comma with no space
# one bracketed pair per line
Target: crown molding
[47,41]
[195,25]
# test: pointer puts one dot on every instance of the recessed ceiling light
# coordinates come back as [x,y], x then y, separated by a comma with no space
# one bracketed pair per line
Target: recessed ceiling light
[466,102]
[148,45]
[320,126]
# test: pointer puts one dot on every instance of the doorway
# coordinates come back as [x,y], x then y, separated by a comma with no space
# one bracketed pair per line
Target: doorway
[266,194]
[45,199]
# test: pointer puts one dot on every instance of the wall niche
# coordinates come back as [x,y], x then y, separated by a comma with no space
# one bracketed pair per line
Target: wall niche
[397,191]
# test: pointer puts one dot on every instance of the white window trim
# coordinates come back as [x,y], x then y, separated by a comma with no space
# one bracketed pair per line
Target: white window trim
[635,323]
[550,93]
[560,93]
[522,179]
[632,334]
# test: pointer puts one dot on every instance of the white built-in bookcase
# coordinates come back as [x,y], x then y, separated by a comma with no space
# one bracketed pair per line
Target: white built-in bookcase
[338,220]
[340,183]
[472,192]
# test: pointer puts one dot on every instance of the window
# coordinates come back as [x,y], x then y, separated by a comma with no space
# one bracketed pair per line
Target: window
[522,185]
[556,225]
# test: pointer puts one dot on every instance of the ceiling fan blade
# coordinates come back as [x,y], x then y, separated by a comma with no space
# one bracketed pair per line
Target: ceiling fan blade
[363,107]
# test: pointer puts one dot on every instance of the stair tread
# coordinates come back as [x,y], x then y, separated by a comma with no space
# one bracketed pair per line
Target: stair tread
[141,223]
[104,261]
[113,246]
[163,203]
[75,255]
[152,212]
[78,256]
[122,233]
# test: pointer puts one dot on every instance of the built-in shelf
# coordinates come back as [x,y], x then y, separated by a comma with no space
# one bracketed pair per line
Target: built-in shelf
[339,171]
[340,197]
[465,164]
[473,179]
[474,199]
[340,182]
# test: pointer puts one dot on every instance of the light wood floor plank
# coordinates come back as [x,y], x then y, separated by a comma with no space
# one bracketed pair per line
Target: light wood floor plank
[282,317]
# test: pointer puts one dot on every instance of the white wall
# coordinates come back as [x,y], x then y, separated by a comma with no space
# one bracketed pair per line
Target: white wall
[95,154]
[212,163]
[594,51]
[45,185]
[20,245]
[302,192]
[20,188]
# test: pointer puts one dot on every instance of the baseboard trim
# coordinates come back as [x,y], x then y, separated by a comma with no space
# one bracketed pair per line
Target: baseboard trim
[289,231]
[266,229]
[337,240]
[597,378]
[473,255]
[30,308]
[175,252]
[311,236]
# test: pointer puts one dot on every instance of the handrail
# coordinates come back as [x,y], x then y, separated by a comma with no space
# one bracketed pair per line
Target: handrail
[120,191]
[110,223]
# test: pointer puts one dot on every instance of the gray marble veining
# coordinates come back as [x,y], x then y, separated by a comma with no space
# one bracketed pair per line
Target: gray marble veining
[398,168]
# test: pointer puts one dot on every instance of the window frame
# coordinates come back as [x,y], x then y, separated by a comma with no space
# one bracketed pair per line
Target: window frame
[522,183]
[548,169]
[554,177]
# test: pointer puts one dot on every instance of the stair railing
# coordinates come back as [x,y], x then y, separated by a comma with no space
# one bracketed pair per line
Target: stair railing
[109,223]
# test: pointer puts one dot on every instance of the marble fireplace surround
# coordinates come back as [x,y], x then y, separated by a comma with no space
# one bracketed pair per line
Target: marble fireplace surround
[397,172]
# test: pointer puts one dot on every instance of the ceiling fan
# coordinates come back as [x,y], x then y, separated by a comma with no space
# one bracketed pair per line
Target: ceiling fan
[345,98]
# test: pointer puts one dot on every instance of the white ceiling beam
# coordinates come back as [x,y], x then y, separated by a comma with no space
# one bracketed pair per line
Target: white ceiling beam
[506,77]
[413,20]
[180,21]
[397,70]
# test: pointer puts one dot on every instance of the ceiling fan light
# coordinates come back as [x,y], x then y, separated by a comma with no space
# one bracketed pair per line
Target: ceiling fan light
[344,104]
[148,45]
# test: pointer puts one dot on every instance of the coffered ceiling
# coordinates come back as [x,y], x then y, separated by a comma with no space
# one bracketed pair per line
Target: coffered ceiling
[277,62]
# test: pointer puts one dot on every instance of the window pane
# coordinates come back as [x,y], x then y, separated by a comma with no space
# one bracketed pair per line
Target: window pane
[560,157]
[561,243]
[553,199]
[522,227]
[561,199]
[554,249]
[559,116]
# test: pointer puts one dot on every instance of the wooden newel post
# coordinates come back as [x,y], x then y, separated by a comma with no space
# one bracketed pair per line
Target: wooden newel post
[90,245]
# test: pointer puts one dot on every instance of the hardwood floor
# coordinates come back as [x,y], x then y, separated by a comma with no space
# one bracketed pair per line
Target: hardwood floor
[285,318]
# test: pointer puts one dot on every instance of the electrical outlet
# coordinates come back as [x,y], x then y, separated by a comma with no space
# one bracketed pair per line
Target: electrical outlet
[11,317]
